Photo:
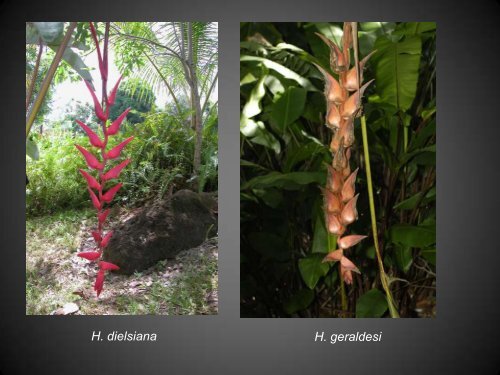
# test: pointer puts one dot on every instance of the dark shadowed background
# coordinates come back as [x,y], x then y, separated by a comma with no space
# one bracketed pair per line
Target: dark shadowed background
[463,339]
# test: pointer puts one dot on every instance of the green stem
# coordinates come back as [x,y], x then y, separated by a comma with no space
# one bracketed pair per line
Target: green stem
[343,297]
[383,276]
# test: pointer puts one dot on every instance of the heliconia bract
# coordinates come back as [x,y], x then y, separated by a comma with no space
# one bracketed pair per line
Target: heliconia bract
[97,186]
[93,137]
[115,125]
[89,255]
[115,172]
[91,160]
[115,151]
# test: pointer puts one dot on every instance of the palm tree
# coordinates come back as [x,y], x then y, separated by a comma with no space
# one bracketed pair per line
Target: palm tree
[179,57]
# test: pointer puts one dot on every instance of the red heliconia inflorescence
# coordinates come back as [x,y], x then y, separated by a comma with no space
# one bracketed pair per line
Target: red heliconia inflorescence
[100,194]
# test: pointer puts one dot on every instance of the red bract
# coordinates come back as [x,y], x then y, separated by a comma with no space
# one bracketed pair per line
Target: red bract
[112,94]
[93,137]
[115,151]
[109,195]
[115,126]
[97,107]
[115,172]
[97,236]
[99,282]
[100,198]
[102,216]
[91,181]
[90,255]
[106,266]
[106,239]
[91,160]
[95,200]
[102,67]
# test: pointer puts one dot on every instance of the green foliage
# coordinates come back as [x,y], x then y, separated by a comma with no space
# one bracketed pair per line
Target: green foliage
[284,153]
[372,304]
[134,94]
[161,154]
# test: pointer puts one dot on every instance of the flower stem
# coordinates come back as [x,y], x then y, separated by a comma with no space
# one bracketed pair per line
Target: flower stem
[383,276]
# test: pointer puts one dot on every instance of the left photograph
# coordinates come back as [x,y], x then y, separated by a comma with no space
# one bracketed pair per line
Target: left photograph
[121,168]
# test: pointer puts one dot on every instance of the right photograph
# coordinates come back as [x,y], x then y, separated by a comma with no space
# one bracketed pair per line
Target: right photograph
[338,170]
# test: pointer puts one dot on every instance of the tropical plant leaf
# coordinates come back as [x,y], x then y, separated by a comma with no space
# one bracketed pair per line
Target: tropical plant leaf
[413,235]
[32,149]
[396,70]
[284,71]
[312,269]
[299,301]
[372,304]
[290,181]
[289,107]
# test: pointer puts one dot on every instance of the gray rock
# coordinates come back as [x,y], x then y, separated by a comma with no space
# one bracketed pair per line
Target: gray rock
[161,230]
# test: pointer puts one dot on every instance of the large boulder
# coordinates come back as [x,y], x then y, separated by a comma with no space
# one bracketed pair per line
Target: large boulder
[161,230]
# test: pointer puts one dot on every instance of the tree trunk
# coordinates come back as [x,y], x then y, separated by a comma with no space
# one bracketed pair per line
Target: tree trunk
[196,107]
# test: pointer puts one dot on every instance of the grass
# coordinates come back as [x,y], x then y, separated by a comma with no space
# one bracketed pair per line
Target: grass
[186,285]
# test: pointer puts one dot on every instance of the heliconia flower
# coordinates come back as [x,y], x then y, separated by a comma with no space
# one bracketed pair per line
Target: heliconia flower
[97,106]
[102,216]
[115,171]
[333,117]
[346,275]
[351,80]
[91,160]
[90,255]
[115,126]
[97,236]
[99,281]
[333,91]
[351,105]
[349,212]
[337,59]
[340,161]
[93,137]
[333,256]
[108,196]
[348,189]
[332,201]
[335,182]
[347,131]
[91,181]
[96,184]
[112,94]
[348,265]
[349,241]
[334,226]
[95,200]
[107,266]
[115,151]
[102,67]
[106,239]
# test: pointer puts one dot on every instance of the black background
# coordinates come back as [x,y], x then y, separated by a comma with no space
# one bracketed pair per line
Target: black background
[463,339]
